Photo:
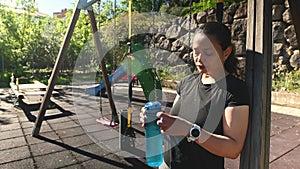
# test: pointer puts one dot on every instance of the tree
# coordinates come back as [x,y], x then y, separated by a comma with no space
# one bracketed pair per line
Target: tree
[24,45]
[143,5]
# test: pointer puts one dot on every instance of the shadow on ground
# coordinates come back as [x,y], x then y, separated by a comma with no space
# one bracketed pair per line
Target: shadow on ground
[4,121]
[135,163]
[29,108]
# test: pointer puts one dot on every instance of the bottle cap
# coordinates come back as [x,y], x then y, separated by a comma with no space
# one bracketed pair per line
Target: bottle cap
[153,106]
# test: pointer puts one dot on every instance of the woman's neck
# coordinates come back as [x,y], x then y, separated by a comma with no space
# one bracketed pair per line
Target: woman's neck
[207,79]
[210,79]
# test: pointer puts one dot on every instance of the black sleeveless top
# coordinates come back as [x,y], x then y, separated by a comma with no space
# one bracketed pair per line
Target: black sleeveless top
[203,104]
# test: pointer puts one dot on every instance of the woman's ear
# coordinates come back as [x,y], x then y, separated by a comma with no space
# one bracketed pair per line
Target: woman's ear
[227,52]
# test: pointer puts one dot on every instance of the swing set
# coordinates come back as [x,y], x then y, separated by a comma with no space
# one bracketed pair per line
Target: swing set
[126,131]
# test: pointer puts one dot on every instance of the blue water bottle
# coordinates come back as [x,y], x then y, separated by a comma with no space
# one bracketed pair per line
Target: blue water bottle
[154,152]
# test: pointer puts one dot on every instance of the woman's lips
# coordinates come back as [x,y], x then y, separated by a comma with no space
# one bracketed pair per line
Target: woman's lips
[200,65]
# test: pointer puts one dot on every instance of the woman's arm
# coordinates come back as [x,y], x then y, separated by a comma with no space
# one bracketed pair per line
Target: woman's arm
[235,124]
[176,99]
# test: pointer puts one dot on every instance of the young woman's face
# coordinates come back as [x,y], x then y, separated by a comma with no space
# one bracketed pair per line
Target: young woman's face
[208,55]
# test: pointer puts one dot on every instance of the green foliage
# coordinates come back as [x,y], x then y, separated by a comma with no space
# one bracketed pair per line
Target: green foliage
[164,74]
[143,5]
[203,5]
[182,8]
[4,83]
[230,2]
[285,80]
[177,11]
[64,80]
[30,42]
[19,32]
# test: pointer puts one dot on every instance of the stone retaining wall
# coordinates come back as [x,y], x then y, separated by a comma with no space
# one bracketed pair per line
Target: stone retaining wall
[286,99]
[175,37]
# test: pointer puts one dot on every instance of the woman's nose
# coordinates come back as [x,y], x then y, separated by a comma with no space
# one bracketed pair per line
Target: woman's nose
[197,57]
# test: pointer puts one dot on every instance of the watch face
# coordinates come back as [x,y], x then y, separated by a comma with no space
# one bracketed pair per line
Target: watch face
[195,133]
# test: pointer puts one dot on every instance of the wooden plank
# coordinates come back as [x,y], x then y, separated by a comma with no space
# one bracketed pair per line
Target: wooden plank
[29,90]
[255,154]
[36,93]
[28,86]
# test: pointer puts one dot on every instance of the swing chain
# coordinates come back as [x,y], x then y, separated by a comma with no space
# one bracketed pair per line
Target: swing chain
[99,10]
[153,45]
[100,92]
[190,25]
[115,40]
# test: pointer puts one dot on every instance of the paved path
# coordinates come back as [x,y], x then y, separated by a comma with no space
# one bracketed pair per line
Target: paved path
[70,138]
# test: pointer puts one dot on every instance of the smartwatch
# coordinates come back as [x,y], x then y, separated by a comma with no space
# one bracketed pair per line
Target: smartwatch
[195,133]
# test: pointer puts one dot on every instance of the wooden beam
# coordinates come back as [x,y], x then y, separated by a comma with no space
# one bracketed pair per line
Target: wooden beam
[103,66]
[55,72]
[219,12]
[255,154]
[294,7]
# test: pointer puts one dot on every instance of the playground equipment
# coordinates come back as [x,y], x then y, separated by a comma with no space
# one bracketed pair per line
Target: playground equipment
[141,66]
[80,5]
[27,91]
[116,76]
[84,4]
[139,63]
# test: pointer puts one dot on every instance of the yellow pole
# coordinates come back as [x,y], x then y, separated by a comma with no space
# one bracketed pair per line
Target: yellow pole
[129,117]
[129,18]
[17,83]
[129,38]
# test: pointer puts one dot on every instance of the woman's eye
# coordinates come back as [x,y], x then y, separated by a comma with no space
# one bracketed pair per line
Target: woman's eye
[208,53]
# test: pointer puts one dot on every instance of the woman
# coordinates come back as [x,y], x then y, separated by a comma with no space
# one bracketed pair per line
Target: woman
[209,118]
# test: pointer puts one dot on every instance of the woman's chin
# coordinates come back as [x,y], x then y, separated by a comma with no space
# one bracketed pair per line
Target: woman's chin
[202,70]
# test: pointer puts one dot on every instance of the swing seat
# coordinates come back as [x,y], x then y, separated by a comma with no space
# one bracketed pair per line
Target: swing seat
[107,122]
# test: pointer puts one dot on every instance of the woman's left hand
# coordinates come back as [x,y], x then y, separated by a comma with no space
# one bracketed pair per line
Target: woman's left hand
[173,125]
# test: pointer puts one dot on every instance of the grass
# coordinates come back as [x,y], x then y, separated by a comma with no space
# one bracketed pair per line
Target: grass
[286,81]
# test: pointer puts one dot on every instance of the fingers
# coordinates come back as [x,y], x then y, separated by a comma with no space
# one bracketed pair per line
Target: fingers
[142,119]
[163,115]
[143,110]
[142,116]
[160,121]
[165,120]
